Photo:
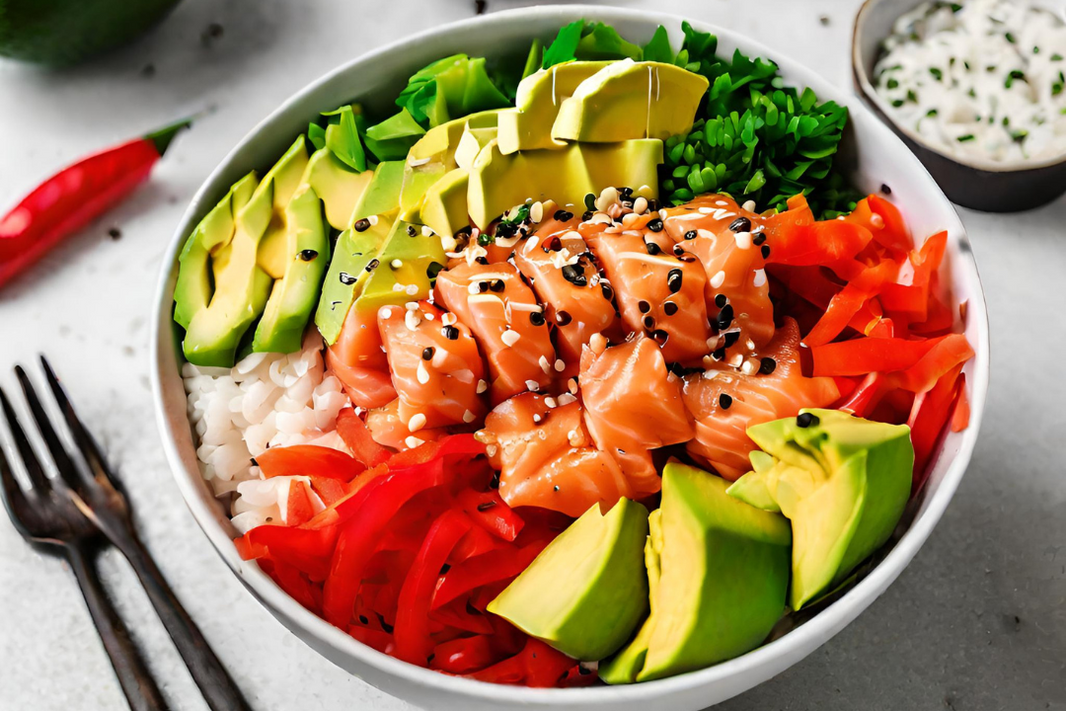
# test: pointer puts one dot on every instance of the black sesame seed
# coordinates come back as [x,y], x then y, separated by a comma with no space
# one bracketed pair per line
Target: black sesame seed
[644,306]
[720,300]
[679,251]
[673,280]
[254,463]
[427,353]
[885,189]
[625,192]
[482,287]
[725,317]
[758,239]
[670,308]
[767,366]
[563,215]
[411,231]
[555,488]
[363,619]
[806,419]
[590,201]
[373,264]
[653,248]
[362,225]
[536,318]
[308,255]
[347,279]
[443,570]
[687,259]
[691,234]
[766,251]
[497,285]
[649,323]
[450,332]
[554,245]
[741,224]
[486,505]
[563,318]
[718,354]
[660,336]
[608,292]
[725,401]
[586,215]
[574,275]
[494,482]
[731,338]
[482,260]
[655,225]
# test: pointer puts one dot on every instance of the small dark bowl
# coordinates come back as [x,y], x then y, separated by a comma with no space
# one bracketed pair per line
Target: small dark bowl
[987,186]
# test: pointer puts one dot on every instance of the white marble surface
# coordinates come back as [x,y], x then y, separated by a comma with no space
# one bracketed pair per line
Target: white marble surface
[978,621]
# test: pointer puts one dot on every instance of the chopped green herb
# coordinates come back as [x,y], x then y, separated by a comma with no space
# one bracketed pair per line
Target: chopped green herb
[911,96]
[1056,57]
[955,7]
[1010,37]
[931,112]
[1036,50]
[1020,135]
[971,93]
[937,73]
[965,138]
[892,83]
[897,103]
[966,64]
[1014,74]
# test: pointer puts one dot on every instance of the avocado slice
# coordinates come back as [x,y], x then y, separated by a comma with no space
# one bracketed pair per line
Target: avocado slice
[404,269]
[392,138]
[444,207]
[347,274]
[586,592]
[193,290]
[382,195]
[723,575]
[528,125]
[843,482]
[627,100]
[285,177]
[498,182]
[294,296]
[471,143]
[339,187]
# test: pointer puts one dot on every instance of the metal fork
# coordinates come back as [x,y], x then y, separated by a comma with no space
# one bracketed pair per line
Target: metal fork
[71,513]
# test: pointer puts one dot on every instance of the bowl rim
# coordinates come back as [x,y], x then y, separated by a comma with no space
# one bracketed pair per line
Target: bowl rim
[869,93]
[773,655]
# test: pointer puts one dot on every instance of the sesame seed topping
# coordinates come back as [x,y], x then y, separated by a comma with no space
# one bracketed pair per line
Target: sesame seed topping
[427,353]
[806,419]
[308,255]
[536,318]
[559,365]
[482,386]
[361,225]
[765,251]
[411,289]
[644,306]
[655,224]
[673,280]
[741,224]
[566,399]
[347,279]
[720,300]
[760,277]
[670,308]
[717,280]
[450,332]
[417,422]
[563,318]
[725,401]
[550,402]
[749,206]
[510,337]
[468,417]
[691,234]
[743,240]
[536,212]
[413,442]
[545,364]
[385,313]
[767,366]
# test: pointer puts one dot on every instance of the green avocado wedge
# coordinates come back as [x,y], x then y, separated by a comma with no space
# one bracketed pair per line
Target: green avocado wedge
[294,296]
[586,592]
[347,274]
[405,268]
[339,187]
[721,583]
[382,195]
[193,290]
[842,481]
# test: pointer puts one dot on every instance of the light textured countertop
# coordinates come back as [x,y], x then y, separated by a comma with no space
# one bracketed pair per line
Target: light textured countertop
[978,621]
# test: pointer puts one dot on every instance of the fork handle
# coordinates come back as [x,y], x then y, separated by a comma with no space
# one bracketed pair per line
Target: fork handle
[215,684]
[137,682]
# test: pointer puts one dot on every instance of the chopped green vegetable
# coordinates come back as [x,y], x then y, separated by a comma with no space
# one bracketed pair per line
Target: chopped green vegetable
[658,48]
[342,138]
[393,137]
[450,88]
[965,138]
[588,41]
[937,73]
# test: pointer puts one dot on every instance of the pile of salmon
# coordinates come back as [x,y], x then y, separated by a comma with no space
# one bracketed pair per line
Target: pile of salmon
[583,352]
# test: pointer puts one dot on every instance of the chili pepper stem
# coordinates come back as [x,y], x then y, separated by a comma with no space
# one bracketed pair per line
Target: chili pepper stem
[163,136]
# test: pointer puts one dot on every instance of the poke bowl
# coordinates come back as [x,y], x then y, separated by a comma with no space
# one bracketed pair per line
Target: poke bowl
[395,501]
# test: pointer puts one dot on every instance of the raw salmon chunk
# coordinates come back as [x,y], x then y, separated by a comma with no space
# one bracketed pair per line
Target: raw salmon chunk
[359,362]
[510,326]
[546,457]
[726,401]
[436,367]
[387,429]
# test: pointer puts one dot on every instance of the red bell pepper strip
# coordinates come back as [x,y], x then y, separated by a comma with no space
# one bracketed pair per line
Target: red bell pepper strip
[929,416]
[329,490]
[537,665]
[359,537]
[488,510]
[458,616]
[463,655]
[860,356]
[375,639]
[960,417]
[298,506]
[70,199]
[413,643]
[946,353]
[848,302]
[822,243]
[353,431]
[309,460]
[501,564]
[293,582]
[476,542]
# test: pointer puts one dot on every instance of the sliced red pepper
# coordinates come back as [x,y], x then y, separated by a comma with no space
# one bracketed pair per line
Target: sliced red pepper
[946,353]
[305,549]
[929,416]
[380,500]
[375,639]
[488,510]
[309,460]
[413,643]
[476,542]
[960,416]
[464,655]
[458,616]
[894,236]
[820,243]
[537,665]
[329,490]
[293,582]
[864,398]
[353,431]
[846,304]
[76,195]
[863,355]
[298,507]
[501,564]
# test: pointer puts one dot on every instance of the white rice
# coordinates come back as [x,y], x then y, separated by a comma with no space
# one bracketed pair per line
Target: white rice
[265,400]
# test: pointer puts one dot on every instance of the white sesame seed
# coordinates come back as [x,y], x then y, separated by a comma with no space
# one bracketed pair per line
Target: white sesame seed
[750,344]
[536,212]
[411,319]
[710,374]
[574,438]
[373,220]
[743,240]
[663,214]
[601,217]
[877,221]
[640,205]
[421,373]
[749,367]
[417,422]
[448,319]
[550,402]
[566,399]
[468,417]
[413,442]
[427,231]
[491,450]
[712,342]
[717,280]
[482,386]
[571,385]
[748,205]
[429,316]
[411,306]
[560,366]
[396,263]
[537,418]
[736,360]
[532,385]
[411,289]
[385,313]
[706,210]
[399,287]
[545,365]
[597,343]
[760,278]
[510,337]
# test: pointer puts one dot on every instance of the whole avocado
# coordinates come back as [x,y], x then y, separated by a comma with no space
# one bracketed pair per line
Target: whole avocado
[65,32]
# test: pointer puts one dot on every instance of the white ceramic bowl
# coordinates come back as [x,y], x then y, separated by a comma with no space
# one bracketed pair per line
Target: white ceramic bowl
[875,156]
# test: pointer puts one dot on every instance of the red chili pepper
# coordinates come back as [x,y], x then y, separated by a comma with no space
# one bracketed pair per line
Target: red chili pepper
[413,643]
[309,460]
[71,198]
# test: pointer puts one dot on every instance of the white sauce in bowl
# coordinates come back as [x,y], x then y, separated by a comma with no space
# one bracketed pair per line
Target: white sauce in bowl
[982,80]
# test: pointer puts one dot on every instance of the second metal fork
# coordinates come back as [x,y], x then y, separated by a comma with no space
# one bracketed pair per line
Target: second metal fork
[69,514]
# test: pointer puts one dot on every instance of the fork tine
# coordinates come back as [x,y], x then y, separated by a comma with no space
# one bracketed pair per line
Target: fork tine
[67,470]
[82,437]
[38,481]
[15,500]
